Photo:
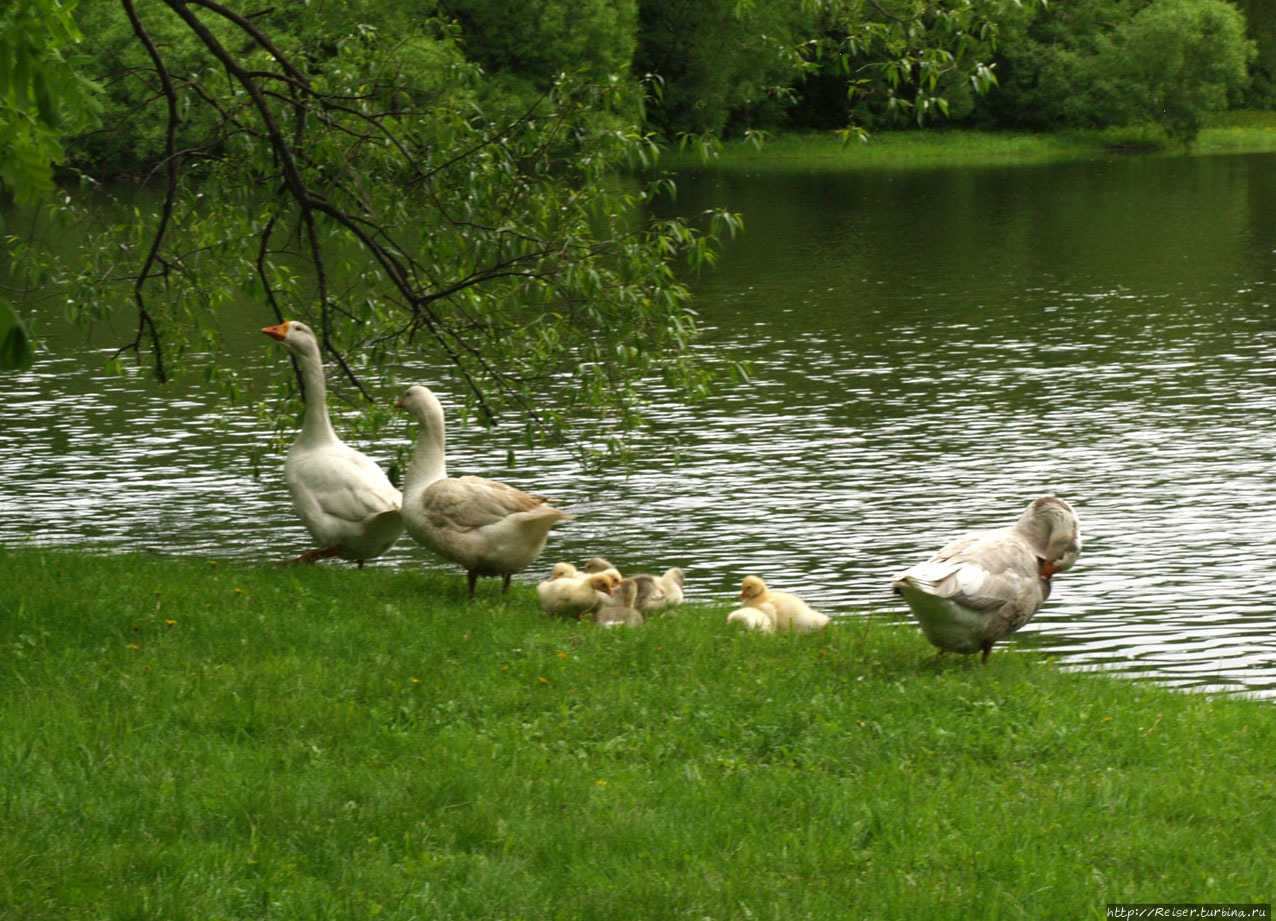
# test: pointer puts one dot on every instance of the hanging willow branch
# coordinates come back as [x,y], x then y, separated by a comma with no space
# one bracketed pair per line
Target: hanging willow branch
[498,247]
[146,323]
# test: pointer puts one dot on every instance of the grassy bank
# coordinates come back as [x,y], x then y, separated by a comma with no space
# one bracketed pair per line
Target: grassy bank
[1231,132]
[184,740]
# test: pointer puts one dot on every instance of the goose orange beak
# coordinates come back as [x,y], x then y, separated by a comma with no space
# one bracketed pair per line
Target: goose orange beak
[279,332]
[1048,569]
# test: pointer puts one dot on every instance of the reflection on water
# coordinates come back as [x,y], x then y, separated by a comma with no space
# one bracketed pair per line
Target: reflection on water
[931,350]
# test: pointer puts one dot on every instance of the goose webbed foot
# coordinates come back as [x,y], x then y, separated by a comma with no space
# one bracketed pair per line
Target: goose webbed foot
[311,556]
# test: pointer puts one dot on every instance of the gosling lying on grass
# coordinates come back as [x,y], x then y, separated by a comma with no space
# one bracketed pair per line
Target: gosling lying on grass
[760,618]
[791,612]
[567,597]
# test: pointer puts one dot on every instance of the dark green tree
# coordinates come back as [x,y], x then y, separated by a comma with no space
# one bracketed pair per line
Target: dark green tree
[1177,61]
[711,59]
[1260,20]
[833,63]
[1098,63]
[451,189]
[535,42]
[42,97]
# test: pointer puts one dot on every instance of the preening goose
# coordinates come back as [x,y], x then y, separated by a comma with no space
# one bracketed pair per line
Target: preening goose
[572,597]
[982,587]
[658,593]
[487,527]
[791,612]
[622,610]
[342,497]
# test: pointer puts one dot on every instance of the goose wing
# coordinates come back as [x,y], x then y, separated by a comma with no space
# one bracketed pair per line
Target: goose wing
[981,572]
[343,484]
[469,502]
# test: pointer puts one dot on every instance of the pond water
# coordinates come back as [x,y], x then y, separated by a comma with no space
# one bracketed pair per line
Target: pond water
[931,349]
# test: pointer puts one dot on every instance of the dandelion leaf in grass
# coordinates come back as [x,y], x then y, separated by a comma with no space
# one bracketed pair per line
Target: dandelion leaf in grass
[16,353]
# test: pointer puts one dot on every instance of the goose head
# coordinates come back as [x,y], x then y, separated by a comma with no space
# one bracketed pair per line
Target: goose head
[600,582]
[299,338]
[1051,527]
[598,564]
[423,405]
[563,571]
[753,587]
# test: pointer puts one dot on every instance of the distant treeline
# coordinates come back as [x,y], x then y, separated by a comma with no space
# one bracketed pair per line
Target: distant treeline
[724,67]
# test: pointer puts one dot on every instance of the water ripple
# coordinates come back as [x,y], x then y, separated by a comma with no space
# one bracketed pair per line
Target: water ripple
[890,408]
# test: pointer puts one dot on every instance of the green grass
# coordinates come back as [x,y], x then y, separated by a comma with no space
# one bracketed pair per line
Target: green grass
[1230,132]
[182,740]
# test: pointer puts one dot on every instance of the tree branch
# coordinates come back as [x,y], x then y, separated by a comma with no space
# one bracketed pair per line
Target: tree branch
[146,323]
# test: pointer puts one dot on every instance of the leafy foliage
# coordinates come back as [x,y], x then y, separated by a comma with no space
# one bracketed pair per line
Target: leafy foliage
[710,60]
[820,63]
[1100,63]
[42,97]
[1260,20]
[438,187]
[532,43]
[362,184]
[43,94]
[902,61]
[1177,61]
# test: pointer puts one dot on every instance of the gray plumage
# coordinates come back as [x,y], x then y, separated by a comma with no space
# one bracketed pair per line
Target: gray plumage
[621,610]
[983,587]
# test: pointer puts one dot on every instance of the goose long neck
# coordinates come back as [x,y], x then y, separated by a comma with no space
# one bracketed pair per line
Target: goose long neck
[428,456]
[315,424]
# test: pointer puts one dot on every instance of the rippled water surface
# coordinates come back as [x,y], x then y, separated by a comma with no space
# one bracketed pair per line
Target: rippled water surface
[931,350]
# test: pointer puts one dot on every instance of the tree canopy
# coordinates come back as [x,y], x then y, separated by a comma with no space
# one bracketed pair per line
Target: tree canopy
[367,182]
[1099,63]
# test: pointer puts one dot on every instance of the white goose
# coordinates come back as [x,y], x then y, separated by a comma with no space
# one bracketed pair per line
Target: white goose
[487,527]
[342,497]
[982,587]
